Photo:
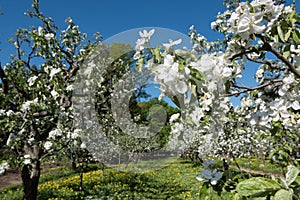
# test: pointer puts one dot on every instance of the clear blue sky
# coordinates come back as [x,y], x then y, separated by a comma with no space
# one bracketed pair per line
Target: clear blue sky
[110,17]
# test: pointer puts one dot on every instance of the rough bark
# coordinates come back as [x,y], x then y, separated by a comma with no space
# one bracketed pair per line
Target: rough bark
[31,173]
[30,176]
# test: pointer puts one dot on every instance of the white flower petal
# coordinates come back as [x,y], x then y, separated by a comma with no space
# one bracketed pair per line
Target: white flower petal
[296,105]
[199,178]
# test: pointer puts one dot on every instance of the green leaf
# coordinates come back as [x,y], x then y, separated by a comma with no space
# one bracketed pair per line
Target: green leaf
[287,35]
[289,148]
[195,73]
[208,193]
[156,53]
[286,51]
[181,65]
[291,17]
[297,17]
[280,33]
[194,89]
[292,174]
[283,195]
[257,187]
[286,54]
[139,64]
[296,36]
[252,10]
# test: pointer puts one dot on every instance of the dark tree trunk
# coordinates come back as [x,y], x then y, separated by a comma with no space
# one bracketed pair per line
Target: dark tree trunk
[30,176]
[73,156]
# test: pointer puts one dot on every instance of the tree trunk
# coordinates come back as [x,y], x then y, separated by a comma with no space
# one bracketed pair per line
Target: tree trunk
[30,176]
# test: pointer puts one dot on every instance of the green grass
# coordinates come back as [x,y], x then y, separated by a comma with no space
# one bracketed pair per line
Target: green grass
[258,165]
[175,181]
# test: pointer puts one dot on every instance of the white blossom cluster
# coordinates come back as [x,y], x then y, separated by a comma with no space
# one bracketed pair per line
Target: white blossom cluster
[256,17]
[3,167]
[142,42]
[283,109]
[172,80]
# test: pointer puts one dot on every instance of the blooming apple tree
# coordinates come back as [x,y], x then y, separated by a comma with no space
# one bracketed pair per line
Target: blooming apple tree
[267,33]
[200,81]
[36,114]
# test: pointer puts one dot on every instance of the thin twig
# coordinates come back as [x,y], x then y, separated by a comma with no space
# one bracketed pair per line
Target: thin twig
[248,89]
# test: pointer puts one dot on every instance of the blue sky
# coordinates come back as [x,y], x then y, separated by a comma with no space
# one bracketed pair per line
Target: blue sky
[110,17]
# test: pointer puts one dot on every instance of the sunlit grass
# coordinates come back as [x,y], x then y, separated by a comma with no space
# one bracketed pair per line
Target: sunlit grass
[174,181]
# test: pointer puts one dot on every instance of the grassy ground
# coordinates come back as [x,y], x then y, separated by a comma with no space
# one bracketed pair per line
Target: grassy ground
[176,181]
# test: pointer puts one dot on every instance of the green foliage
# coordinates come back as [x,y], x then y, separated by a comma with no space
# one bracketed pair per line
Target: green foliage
[291,175]
[265,187]
[143,112]
[118,49]
[257,187]
[283,195]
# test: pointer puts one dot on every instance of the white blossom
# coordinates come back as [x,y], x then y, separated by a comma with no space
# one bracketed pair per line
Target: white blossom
[83,146]
[174,117]
[31,80]
[27,160]
[75,134]
[55,133]
[48,145]
[54,94]
[227,71]
[49,36]
[259,74]
[40,30]
[289,79]
[70,87]
[9,113]
[197,115]
[171,43]
[11,137]
[53,72]
[146,34]
[142,42]
[171,79]
[3,167]
[246,23]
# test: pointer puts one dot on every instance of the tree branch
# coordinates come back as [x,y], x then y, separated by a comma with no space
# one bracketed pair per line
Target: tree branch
[41,114]
[244,52]
[40,16]
[290,66]
[248,89]
[264,62]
